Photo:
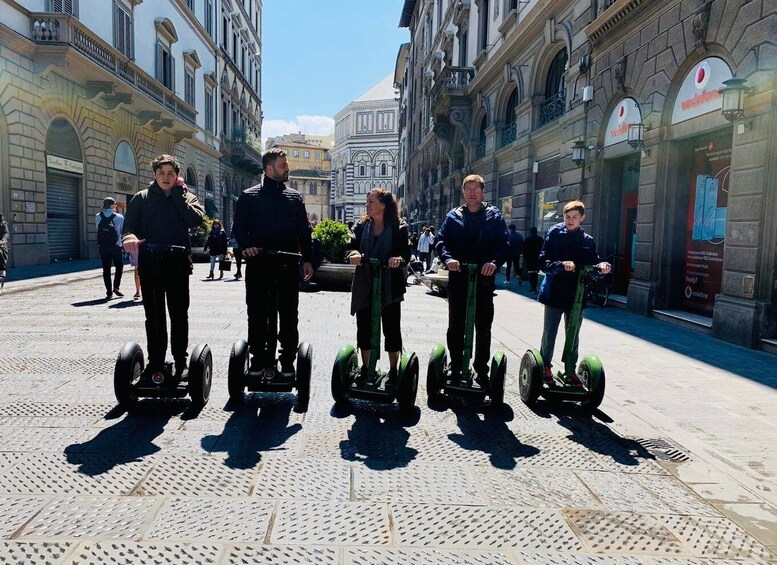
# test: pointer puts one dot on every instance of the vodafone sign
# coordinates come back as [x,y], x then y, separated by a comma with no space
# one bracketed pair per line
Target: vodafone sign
[700,92]
[625,113]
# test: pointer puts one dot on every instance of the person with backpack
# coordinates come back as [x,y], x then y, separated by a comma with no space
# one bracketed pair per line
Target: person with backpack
[109,226]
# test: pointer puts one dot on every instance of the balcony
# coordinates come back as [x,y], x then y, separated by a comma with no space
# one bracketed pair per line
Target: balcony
[509,134]
[241,152]
[552,108]
[56,31]
[451,85]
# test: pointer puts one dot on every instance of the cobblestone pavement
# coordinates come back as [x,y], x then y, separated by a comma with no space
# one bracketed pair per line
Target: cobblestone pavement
[678,466]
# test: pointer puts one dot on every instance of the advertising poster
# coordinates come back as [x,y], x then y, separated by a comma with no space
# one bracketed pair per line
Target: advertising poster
[706,228]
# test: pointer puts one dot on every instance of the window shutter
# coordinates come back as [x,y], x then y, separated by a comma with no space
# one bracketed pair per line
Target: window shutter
[172,72]
[548,173]
[160,63]
[506,185]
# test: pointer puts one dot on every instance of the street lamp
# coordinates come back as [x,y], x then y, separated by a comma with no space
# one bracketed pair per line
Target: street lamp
[636,135]
[578,152]
[733,106]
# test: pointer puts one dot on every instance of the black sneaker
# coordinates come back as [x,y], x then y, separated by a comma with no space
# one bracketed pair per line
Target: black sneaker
[388,380]
[287,370]
[255,365]
[480,381]
[108,295]
[118,293]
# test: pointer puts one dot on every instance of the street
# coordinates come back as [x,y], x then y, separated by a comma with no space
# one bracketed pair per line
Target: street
[678,466]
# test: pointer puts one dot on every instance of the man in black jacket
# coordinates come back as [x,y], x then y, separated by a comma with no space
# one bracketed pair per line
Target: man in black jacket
[472,233]
[271,217]
[156,226]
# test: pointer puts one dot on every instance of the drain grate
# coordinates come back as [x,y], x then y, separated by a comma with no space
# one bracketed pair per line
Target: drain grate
[663,450]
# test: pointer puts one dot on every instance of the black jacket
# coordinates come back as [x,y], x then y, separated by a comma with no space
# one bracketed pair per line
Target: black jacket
[473,238]
[217,243]
[273,217]
[532,246]
[559,286]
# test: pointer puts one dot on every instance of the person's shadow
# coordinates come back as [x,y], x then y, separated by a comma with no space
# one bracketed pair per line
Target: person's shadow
[490,434]
[378,437]
[93,302]
[129,440]
[131,303]
[259,423]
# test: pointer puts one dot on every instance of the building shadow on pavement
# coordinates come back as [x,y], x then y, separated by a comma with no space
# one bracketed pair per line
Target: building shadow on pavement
[259,423]
[489,434]
[377,437]
[593,434]
[129,440]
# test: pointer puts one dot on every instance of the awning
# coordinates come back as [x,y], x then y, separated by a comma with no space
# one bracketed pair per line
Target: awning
[210,208]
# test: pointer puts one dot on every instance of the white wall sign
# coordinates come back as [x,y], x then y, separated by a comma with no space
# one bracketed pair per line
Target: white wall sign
[625,113]
[700,92]
[54,162]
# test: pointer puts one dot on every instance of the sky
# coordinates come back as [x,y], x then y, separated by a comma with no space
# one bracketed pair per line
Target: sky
[318,55]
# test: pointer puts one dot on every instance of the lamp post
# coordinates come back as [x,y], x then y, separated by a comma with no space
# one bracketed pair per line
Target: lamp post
[636,135]
[733,106]
[578,153]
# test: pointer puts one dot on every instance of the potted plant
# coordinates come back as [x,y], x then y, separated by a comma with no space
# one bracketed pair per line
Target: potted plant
[197,238]
[332,239]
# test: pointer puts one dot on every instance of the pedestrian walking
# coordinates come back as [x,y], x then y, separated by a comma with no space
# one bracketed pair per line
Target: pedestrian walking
[566,249]
[532,246]
[109,226]
[133,259]
[5,239]
[157,228]
[237,253]
[272,217]
[425,243]
[472,233]
[216,245]
[382,236]
[515,241]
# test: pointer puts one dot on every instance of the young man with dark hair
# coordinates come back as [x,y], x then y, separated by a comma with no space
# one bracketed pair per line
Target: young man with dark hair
[567,247]
[272,217]
[157,227]
[472,233]
[109,226]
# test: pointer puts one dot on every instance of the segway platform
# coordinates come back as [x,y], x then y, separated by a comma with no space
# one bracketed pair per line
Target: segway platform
[240,378]
[131,381]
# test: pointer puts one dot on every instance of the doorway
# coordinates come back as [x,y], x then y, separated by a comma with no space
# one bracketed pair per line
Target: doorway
[619,220]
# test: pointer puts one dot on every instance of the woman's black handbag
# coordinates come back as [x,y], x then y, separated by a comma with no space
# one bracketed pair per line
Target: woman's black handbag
[225,265]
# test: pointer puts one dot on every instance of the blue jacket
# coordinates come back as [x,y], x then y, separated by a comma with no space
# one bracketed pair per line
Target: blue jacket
[559,286]
[473,238]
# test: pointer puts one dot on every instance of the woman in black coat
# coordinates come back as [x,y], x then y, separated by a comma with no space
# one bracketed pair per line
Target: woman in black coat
[216,244]
[381,235]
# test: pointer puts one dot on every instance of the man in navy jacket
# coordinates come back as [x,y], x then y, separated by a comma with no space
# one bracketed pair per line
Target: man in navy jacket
[566,248]
[472,233]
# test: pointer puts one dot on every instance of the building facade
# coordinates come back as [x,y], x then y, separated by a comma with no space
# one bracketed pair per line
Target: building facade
[365,151]
[310,169]
[85,107]
[619,103]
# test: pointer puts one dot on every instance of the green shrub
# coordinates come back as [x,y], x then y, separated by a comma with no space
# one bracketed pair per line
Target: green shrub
[198,235]
[334,238]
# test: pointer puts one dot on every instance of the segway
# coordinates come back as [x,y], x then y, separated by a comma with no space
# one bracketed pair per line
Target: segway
[241,377]
[590,369]
[132,381]
[351,381]
[439,379]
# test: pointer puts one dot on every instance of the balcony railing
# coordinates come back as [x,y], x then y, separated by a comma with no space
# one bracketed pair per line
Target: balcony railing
[241,153]
[553,108]
[603,5]
[63,29]
[453,81]
[509,133]
[480,150]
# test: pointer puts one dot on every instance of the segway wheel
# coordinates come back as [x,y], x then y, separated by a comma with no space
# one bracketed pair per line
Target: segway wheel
[591,373]
[408,382]
[304,367]
[126,374]
[345,364]
[200,374]
[438,360]
[238,367]
[498,374]
[530,377]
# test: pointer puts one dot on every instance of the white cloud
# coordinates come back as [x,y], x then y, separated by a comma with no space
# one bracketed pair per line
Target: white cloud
[311,125]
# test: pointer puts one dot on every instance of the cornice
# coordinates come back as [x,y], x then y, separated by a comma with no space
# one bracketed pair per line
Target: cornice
[611,17]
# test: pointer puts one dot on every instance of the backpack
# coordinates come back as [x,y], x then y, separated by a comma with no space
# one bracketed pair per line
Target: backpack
[106,233]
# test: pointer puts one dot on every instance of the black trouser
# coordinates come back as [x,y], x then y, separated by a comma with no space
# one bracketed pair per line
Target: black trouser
[533,277]
[390,316]
[108,257]
[515,263]
[238,253]
[457,316]
[159,286]
[272,295]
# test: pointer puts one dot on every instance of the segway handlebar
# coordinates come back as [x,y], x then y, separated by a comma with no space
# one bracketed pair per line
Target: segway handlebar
[163,247]
[274,253]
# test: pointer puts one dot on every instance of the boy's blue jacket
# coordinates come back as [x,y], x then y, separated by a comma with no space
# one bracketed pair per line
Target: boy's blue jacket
[467,242]
[559,286]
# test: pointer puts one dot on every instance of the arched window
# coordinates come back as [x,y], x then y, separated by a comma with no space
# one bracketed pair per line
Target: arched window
[313,189]
[208,184]
[510,130]
[554,105]
[383,169]
[481,148]
[124,159]
[191,178]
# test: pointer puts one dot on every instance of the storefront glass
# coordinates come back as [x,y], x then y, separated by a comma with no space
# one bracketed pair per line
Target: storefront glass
[547,210]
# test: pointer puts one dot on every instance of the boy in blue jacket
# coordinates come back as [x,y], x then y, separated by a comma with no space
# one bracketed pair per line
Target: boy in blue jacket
[566,248]
[472,233]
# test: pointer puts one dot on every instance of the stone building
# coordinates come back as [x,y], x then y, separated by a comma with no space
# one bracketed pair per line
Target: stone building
[310,169]
[85,107]
[365,152]
[626,105]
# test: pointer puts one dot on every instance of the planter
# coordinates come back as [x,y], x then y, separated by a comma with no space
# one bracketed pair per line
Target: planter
[334,276]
